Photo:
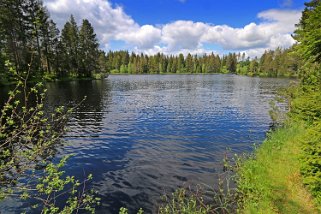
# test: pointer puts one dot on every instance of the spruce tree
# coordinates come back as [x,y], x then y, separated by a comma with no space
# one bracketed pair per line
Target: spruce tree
[88,50]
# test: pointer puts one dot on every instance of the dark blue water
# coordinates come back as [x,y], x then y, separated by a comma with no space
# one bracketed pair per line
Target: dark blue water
[143,136]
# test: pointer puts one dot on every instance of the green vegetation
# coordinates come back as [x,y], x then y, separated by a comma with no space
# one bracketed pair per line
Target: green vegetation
[284,173]
[284,176]
[277,63]
[28,137]
[307,108]
[270,181]
[224,199]
[30,40]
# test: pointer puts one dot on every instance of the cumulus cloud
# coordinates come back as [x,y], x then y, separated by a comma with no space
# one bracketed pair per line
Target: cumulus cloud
[108,21]
[236,38]
[183,35]
[281,20]
[112,23]
[274,30]
[143,37]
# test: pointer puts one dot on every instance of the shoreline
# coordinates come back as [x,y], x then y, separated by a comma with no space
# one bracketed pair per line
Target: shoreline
[270,181]
[100,76]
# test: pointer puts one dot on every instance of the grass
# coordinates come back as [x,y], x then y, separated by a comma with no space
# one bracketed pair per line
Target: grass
[270,181]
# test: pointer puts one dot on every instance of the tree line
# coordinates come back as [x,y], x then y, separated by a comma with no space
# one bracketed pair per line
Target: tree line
[30,40]
[273,63]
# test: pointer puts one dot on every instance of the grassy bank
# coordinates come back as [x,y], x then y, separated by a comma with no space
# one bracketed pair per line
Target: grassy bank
[283,175]
[270,181]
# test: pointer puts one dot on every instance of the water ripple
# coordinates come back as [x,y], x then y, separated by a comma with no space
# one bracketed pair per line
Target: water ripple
[141,136]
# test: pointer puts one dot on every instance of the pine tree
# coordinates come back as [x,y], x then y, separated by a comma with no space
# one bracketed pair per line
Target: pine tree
[181,63]
[254,66]
[231,62]
[88,50]
[14,37]
[70,41]
[189,64]
[308,32]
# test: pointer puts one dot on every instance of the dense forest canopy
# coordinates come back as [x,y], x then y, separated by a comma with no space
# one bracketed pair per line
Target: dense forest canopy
[30,40]
[308,36]
[272,63]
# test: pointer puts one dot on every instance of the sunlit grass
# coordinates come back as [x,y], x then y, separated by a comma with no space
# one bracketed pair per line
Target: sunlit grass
[271,180]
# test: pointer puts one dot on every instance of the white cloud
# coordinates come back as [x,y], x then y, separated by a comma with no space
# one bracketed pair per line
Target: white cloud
[112,23]
[157,49]
[183,35]
[108,21]
[236,38]
[143,37]
[275,30]
[282,21]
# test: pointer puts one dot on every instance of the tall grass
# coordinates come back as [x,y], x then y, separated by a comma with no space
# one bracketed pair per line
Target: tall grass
[270,181]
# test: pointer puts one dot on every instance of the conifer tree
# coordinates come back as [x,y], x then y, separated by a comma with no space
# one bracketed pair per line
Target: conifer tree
[88,50]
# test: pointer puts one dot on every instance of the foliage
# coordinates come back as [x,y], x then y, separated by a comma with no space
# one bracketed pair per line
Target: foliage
[125,211]
[53,185]
[270,180]
[272,63]
[28,137]
[223,199]
[181,202]
[27,32]
[306,107]
[308,32]
[291,155]
[311,161]
[27,134]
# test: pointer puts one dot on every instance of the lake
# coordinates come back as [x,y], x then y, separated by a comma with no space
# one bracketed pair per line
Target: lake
[145,135]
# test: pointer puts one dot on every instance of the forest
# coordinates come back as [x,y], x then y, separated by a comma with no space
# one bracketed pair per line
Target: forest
[30,40]
[273,63]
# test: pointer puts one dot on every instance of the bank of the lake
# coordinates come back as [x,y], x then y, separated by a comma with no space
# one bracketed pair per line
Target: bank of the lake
[271,181]
[55,78]
[261,75]
[283,175]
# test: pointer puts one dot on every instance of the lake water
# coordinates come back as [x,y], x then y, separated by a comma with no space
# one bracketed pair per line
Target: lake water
[145,135]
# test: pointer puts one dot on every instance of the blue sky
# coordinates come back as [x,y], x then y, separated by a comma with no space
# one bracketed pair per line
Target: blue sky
[236,13]
[185,26]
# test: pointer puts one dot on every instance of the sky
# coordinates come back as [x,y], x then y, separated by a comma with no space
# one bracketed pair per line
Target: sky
[185,26]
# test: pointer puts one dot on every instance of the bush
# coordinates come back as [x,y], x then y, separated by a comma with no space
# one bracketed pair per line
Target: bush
[28,136]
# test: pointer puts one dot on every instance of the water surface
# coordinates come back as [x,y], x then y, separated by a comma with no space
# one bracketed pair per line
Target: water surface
[145,135]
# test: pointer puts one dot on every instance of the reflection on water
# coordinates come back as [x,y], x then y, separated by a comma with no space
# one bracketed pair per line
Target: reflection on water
[141,136]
